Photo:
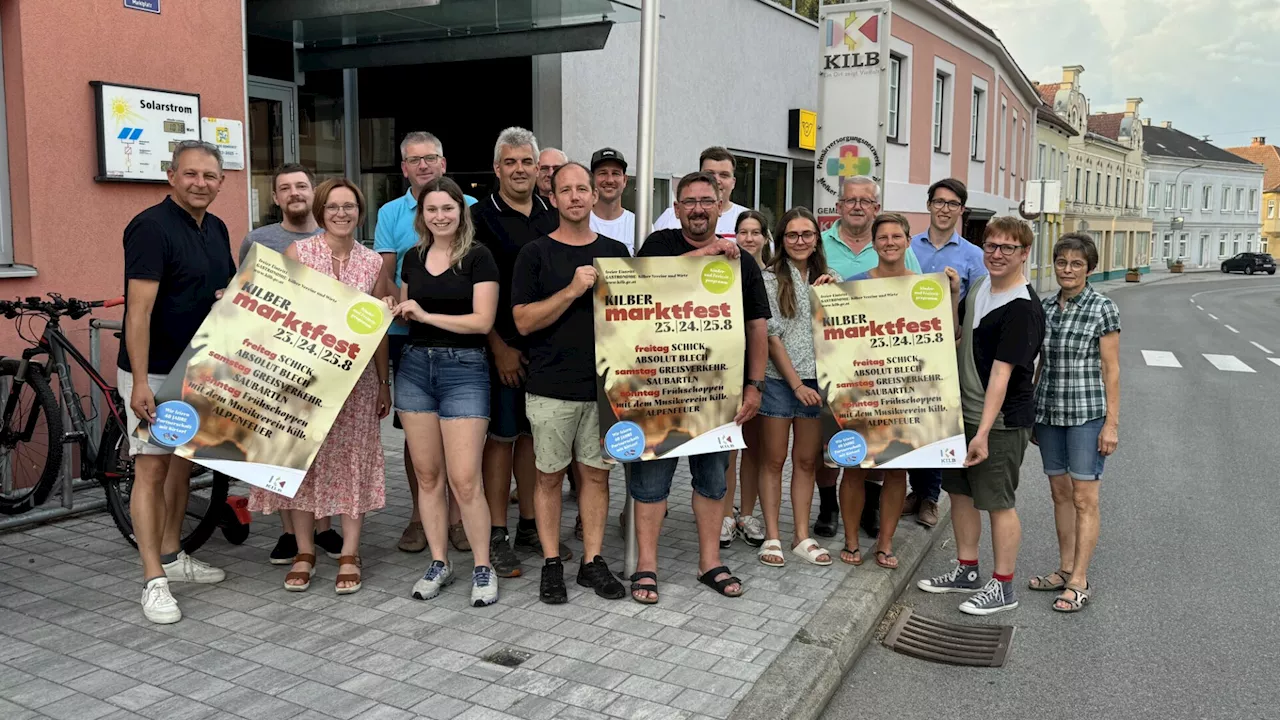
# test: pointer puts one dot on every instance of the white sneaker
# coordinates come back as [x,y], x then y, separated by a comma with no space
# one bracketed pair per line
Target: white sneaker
[158,605]
[752,530]
[484,587]
[728,531]
[189,569]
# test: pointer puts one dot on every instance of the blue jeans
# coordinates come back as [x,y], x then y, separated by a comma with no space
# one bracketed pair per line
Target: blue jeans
[1071,450]
[651,479]
[926,483]
[780,401]
[449,382]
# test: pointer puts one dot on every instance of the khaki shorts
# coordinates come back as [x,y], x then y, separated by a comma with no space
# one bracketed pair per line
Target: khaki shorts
[124,383]
[564,430]
[992,483]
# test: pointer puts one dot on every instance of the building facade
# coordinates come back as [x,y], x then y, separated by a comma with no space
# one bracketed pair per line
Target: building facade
[1104,177]
[1268,156]
[1053,147]
[1202,200]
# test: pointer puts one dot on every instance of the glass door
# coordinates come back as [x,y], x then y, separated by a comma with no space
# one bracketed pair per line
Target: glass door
[273,141]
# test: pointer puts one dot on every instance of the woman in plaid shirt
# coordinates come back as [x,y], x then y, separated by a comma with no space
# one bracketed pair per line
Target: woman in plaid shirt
[1077,412]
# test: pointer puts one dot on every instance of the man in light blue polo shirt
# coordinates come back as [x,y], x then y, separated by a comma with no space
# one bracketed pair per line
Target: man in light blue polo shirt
[422,161]
[938,249]
[848,241]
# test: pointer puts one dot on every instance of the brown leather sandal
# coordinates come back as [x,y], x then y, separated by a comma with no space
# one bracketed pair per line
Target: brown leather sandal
[304,575]
[348,577]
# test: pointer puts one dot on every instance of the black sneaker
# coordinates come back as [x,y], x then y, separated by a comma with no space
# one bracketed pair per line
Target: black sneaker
[528,538]
[503,558]
[596,575]
[331,542]
[285,550]
[552,590]
[827,524]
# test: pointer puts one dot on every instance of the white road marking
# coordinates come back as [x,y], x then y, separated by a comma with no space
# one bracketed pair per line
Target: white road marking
[1231,329]
[1275,360]
[1228,363]
[1160,358]
[1197,306]
[1215,317]
[1260,348]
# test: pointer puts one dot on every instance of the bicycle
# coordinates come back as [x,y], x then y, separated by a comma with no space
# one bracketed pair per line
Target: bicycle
[32,415]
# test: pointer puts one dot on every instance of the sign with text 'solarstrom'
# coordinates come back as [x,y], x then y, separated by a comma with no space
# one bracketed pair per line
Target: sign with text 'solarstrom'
[138,128]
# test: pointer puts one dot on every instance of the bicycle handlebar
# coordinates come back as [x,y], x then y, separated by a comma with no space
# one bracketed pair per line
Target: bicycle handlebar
[56,306]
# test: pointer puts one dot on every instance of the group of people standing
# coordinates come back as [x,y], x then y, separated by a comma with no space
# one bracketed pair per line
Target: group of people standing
[490,371]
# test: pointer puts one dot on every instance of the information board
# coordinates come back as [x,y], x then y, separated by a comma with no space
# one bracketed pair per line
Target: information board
[138,128]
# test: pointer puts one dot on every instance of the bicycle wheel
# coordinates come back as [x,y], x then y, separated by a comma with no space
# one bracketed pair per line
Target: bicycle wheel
[31,441]
[115,471]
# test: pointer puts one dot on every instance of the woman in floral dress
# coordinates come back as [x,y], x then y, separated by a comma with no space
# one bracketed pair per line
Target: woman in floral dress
[348,476]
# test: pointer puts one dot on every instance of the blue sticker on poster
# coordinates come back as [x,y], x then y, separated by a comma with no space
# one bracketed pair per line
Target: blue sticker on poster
[176,423]
[624,441]
[847,448]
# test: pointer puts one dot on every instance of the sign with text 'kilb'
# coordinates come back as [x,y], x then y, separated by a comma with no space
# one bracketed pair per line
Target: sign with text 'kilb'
[853,87]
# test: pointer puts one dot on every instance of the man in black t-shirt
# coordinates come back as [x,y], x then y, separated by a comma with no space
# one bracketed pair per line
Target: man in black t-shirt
[697,207]
[552,308]
[1001,327]
[505,222]
[177,261]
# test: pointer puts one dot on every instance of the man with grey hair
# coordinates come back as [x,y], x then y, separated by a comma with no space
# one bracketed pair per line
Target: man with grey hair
[505,222]
[177,262]
[422,160]
[549,161]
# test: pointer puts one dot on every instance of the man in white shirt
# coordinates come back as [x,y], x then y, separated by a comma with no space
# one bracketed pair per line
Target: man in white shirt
[719,163]
[608,217]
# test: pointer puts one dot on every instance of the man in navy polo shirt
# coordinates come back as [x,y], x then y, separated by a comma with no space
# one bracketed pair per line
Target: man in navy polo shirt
[422,161]
[937,249]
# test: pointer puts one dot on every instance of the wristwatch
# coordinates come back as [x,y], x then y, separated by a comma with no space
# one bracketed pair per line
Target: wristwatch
[757,384]
[387,381]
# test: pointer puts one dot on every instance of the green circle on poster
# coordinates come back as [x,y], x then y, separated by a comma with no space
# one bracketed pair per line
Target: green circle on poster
[926,294]
[717,277]
[364,317]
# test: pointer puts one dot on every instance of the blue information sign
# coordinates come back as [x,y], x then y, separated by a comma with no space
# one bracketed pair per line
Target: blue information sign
[151,6]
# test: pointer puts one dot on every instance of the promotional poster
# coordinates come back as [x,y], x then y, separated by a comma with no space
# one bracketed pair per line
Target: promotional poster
[255,393]
[886,357]
[670,350]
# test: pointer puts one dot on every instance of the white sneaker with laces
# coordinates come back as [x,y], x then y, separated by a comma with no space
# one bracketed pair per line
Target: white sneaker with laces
[158,605]
[728,531]
[189,569]
[751,528]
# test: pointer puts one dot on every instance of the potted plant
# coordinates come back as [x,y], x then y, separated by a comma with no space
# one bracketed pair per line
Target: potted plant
[1132,275]
[1176,266]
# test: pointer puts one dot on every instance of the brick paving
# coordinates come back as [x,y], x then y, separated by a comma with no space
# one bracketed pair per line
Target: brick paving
[74,643]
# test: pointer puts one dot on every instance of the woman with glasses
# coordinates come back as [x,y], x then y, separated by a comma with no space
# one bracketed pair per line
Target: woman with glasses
[752,230]
[891,238]
[449,296]
[1077,412]
[791,405]
[348,476]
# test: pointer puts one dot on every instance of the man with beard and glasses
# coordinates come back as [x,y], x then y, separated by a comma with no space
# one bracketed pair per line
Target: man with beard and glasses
[552,308]
[422,161]
[608,217]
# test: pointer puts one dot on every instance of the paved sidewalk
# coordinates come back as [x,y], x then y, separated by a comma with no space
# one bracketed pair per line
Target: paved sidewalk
[74,644]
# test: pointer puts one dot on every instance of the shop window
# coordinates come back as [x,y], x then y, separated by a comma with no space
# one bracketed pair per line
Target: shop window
[764,184]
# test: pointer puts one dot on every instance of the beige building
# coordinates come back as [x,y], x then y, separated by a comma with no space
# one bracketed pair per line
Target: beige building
[1267,156]
[1053,147]
[1104,179]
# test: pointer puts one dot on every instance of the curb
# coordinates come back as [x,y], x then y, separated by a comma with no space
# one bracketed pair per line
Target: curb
[799,683]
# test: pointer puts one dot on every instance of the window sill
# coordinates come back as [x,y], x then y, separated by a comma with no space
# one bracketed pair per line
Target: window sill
[895,141]
[936,151]
[975,158]
[17,271]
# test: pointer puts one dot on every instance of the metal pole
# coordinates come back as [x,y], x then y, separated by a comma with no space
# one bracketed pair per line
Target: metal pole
[644,195]
[1040,281]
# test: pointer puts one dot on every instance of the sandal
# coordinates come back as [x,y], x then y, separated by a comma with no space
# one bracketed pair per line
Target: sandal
[708,578]
[883,558]
[348,577]
[810,551]
[854,555]
[771,549]
[304,575]
[1047,583]
[636,587]
[1076,603]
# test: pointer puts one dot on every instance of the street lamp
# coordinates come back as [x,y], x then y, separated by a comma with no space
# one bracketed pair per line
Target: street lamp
[1177,221]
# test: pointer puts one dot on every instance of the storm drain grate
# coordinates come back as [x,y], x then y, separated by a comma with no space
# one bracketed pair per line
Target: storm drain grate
[975,645]
[507,657]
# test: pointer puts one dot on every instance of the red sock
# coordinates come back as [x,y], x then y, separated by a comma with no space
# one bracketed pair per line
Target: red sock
[967,563]
[1003,578]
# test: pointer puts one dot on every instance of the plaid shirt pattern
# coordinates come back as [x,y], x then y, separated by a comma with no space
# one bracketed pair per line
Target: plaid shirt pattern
[1071,391]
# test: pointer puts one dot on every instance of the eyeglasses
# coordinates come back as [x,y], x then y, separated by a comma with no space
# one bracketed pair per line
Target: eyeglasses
[858,202]
[548,169]
[1005,250]
[806,236]
[1063,264]
[422,159]
[347,208]
[704,203]
[945,205]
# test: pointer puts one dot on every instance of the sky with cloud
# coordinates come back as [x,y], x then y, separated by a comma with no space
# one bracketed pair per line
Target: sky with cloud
[1209,66]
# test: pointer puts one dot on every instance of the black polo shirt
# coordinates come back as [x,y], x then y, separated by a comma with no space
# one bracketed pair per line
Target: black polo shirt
[504,230]
[191,263]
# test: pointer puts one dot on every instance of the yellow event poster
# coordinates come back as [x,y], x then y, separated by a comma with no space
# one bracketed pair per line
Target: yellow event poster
[255,393]
[670,346]
[887,368]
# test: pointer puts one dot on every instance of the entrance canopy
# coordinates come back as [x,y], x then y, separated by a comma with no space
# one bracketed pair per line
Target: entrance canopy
[338,34]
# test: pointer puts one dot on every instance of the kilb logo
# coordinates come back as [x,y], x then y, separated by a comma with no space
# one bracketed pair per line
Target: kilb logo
[848,163]
[852,31]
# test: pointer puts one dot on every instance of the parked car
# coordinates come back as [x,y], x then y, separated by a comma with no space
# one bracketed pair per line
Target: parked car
[1250,263]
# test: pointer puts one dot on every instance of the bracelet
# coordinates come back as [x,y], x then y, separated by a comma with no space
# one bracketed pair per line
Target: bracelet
[797,387]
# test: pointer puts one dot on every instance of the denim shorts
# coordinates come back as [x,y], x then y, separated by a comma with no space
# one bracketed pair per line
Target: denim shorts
[1071,450]
[651,479]
[780,402]
[449,382]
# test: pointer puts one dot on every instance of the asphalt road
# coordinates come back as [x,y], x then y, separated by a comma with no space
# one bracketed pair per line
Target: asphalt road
[1185,618]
